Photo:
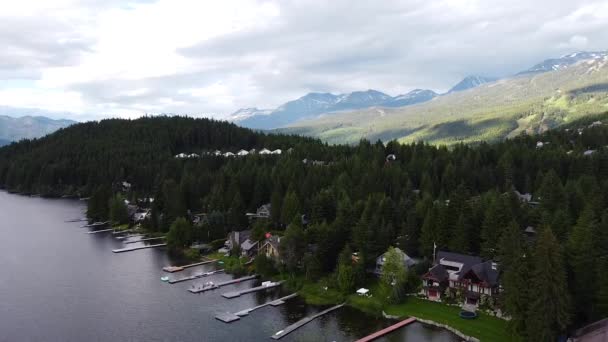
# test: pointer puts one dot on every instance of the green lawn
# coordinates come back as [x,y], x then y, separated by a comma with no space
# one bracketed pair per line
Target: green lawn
[484,327]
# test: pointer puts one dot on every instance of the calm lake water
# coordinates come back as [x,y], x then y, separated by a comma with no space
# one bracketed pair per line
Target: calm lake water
[58,283]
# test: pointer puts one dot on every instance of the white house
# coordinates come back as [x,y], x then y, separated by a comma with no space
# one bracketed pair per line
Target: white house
[277,151]
[265,151]
[242,153]
[228,154]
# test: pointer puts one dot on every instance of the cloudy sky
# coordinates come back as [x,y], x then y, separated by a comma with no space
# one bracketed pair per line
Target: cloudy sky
[111,58]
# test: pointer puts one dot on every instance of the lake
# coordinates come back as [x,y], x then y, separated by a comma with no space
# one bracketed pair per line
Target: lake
[59,283]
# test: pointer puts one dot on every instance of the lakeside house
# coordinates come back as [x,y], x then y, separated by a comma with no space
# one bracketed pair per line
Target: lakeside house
[242,240]
[270,248]
[407,261]
[459,272]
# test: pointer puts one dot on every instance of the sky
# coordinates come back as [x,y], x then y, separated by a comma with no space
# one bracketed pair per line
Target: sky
[92,59]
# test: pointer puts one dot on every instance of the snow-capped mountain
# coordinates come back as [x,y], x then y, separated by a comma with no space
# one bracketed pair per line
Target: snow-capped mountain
[310,106]
[245,113]
[471,82]
[413,97]
[565,61]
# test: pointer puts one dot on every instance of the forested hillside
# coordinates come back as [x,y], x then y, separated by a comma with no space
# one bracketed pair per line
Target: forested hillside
[356,197]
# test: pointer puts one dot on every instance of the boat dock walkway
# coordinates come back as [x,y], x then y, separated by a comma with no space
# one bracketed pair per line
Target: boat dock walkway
[231,317]
[172,269]
[195,276]
[218,285]
[235,294]
[387,330]
[100,231]
[130,249]
[146,239]
[95,224]
[303,322]
[125,231]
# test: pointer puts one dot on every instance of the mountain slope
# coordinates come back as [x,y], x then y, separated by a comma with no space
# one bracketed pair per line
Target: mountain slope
[526,103]
[28,127]
[564,62]
[471,82]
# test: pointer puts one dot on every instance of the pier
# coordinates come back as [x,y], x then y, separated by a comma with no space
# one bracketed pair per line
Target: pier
[146,239]
[303,322]
[231,317]
[264,286]
[195,276]
[173,269]
[125,231]
[130,249]
[218,285]
[100,231]
[387,330]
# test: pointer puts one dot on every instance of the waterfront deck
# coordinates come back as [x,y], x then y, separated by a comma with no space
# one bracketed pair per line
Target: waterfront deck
[288,330]
[195,276]
[173,269]
[218,285]
[130,249]
[235,294]
[387,330]
[228,317]
[95,224]
[143,240]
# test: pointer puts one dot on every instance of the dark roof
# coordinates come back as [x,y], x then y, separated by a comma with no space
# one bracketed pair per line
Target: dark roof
[467,260]
[274,241]
[487,272]
[242,236]
[438,273]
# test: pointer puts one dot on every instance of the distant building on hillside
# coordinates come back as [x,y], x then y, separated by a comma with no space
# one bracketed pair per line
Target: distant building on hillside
[270,248]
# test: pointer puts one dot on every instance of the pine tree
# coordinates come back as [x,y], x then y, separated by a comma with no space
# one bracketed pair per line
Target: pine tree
[549,298]
[290,207]
[601,288]
[346,273]
[118,210]
[582,263]
[514,278]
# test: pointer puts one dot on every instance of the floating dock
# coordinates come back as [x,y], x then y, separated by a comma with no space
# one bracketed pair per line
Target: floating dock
[303,322]
[262,287]
[192,277]
[100,231]
[218,285]
[130,249]
[231,317]
[385,331]
[125,231]
[172,269]
[143,240]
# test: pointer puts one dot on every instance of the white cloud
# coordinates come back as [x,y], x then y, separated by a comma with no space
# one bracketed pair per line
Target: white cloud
[115,58]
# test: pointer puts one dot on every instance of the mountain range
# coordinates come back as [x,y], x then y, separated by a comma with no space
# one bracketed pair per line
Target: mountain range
[322,106]
[26,127]
[530,102]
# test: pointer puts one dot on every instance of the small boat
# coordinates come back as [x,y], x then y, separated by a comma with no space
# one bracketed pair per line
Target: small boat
[164,278]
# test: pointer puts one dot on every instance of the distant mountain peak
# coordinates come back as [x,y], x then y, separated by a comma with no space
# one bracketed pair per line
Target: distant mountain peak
[471,81]
[245,113]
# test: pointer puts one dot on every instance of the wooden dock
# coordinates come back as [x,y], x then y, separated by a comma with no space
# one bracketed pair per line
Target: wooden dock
[143,240]
[387,330]
[218,285]
[302,322]
[195,276]
[130,249]
[231,317]
[235,294]
[100,231]
[173,269]
[95,224]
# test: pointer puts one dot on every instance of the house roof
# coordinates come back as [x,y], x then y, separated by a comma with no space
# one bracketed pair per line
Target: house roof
[437,273]
[486,272]
[466,260]
[274,241]
[248,245]
[240,237]
[409,262]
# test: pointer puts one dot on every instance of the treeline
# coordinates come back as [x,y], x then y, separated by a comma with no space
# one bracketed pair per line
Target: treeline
[353,197]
